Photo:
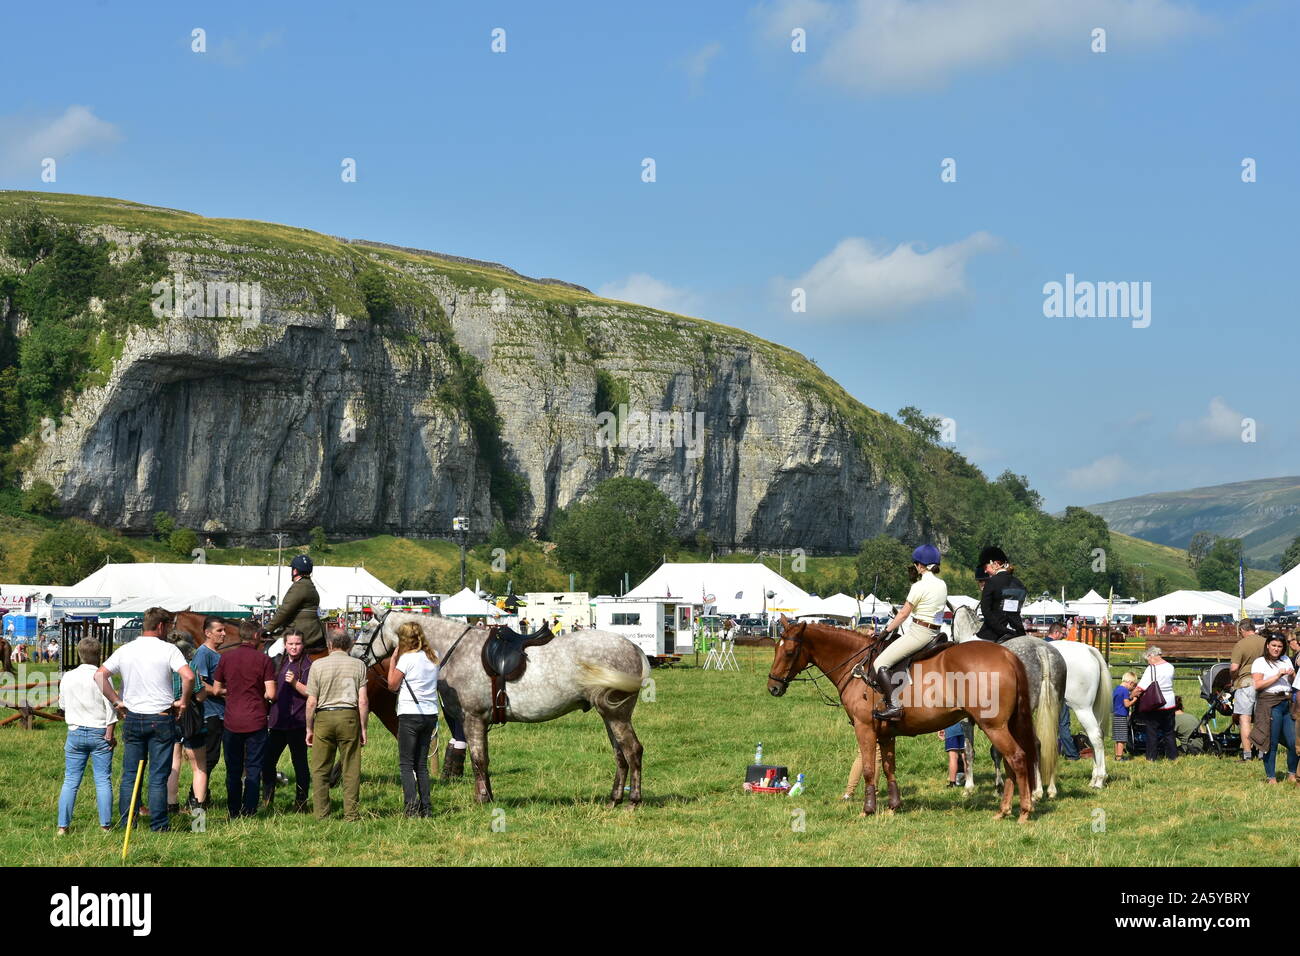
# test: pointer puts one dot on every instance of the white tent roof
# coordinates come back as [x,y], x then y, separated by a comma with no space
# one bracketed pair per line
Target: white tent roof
[841,605]
[1192,603]
[466,603]
[736,588]
[243,584]
[961,600]
[1092,597]
[1048,607]
[206,603]
[1285,588]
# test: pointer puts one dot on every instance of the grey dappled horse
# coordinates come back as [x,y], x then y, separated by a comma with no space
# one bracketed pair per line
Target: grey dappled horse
[1047,682]
[582,669]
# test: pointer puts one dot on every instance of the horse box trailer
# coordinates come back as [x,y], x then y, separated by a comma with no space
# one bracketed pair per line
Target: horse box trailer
[661,629]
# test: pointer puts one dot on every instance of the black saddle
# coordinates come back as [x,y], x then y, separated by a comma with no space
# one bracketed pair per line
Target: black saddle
[505,660]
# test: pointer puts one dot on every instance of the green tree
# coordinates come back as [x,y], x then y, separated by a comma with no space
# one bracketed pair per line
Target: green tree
[183,541]
[1292,556]
[317,543]
[375,293]
[163,525]
[40,499]
[1199,547]
[623,525]
[882,563]
[70,552]
[926,427]
[1018,487]
[1217,571]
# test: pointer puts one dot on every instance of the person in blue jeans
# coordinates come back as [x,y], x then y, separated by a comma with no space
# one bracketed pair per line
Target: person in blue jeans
[145,710]
[90,722]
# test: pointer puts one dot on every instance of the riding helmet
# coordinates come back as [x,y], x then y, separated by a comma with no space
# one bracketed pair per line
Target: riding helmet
[302,564]
[992,553]
[926,554]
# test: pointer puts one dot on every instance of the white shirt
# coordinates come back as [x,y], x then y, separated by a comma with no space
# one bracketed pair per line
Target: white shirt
[82,702]
[146,665]
[1164,678]
[928,596]
[418,693]
[1283,683]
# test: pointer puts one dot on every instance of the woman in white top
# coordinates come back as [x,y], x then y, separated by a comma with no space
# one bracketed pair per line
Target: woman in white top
[1274,676]
[924,606]
[413,676]
[90,721]
[1158,723]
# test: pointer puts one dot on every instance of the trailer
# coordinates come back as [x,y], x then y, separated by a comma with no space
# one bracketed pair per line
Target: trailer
[662,629]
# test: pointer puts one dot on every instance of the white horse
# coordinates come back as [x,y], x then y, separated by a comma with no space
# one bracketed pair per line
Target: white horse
[1087,693]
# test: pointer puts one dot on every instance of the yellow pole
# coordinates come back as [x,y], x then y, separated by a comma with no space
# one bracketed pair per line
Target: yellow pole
[135,801]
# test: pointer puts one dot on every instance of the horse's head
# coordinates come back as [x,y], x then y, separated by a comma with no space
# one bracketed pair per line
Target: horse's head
[965,622]
[790,657]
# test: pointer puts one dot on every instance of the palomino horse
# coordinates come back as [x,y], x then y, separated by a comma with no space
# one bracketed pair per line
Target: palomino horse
[583,669]
[939,692]
[1047,676]
[1086,691]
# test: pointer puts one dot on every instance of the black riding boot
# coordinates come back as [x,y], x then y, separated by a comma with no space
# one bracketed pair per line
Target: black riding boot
[886,688]
[453,763]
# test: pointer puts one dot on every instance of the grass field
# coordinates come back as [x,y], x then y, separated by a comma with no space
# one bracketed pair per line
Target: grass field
[699,733]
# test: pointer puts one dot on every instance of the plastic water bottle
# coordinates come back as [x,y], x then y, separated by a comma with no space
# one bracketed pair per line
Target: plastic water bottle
[758,754]
[798,786]
[785,783]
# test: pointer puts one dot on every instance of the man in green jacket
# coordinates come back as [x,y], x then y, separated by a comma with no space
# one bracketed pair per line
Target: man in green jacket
[300,606]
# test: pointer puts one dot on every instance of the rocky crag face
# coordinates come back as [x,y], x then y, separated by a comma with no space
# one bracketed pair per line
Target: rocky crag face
[371,389]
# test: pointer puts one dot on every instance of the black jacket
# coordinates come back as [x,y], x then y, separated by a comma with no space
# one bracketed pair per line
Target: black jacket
[1000,605]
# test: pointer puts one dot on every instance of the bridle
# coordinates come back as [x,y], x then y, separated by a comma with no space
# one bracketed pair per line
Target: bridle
[799,641]
[366,648]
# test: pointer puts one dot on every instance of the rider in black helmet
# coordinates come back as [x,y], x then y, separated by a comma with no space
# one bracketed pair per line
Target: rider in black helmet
[300,605]
[1003,597]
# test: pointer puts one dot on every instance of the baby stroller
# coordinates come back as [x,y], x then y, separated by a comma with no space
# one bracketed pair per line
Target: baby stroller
[1216,690]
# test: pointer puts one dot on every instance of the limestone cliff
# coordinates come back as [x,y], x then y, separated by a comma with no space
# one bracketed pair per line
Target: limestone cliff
[343,399]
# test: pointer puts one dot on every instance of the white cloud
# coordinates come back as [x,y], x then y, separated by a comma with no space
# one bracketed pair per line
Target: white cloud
[1102,473]
[874,45]
[1221,424]
[25,141]
[862,280]
[647,290]
[698,63]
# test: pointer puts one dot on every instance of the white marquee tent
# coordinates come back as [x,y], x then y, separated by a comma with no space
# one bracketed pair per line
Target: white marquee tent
[466,603]
[1285,589]
[737,588]
[1048,608]
[1193,604]
[203,603]
[249,585]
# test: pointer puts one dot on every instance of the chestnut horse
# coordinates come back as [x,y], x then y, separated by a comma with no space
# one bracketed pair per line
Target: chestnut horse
[6,657]
[983,681]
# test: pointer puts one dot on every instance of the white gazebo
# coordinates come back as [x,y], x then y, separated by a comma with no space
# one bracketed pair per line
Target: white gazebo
[1189,604]
[465,603]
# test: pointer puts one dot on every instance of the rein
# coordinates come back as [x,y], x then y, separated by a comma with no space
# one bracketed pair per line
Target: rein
[826,699]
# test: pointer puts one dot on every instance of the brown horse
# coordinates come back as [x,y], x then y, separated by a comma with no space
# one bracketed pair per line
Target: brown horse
[6,657]
[980,680]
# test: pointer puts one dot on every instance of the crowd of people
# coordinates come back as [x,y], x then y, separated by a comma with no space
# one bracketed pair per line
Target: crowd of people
[173,710]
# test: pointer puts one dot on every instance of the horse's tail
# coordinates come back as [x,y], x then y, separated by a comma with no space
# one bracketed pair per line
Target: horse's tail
[1101,700]
[609,684]
[1047,719]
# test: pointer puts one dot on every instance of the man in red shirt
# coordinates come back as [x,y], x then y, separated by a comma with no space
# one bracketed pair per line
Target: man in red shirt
[246,680]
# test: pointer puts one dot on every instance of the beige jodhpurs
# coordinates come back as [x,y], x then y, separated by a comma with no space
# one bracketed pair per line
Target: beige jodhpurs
[914,637]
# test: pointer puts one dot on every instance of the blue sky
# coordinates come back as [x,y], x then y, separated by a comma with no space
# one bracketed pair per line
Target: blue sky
[774,170]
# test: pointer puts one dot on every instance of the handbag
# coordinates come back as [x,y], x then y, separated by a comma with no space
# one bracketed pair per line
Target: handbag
[1153,698]
[191,721]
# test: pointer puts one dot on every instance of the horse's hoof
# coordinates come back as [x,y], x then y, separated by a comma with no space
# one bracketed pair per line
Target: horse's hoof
[864,813]
[1023,818]
[999,815]
[611,805]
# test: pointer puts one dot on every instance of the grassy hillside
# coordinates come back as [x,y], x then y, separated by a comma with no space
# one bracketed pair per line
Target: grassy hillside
[1264,513]
[1171,563]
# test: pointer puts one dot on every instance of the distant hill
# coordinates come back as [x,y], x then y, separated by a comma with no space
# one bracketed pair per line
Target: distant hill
[1264,513]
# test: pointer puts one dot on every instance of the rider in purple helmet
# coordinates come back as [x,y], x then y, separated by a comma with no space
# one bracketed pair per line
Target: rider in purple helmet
[923,614]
